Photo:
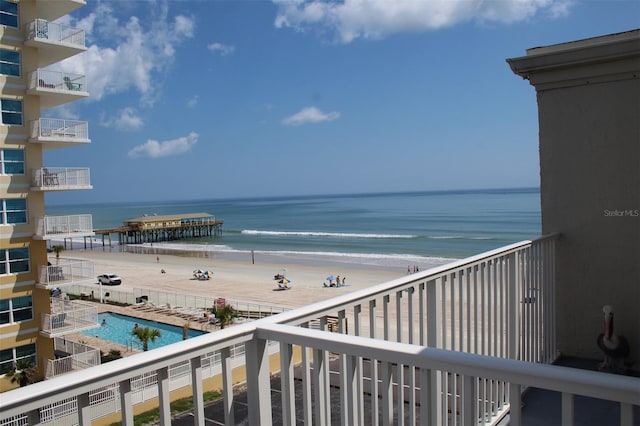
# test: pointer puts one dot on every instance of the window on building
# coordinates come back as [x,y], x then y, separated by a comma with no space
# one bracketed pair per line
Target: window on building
[14,211]
[11,161]
[8,357]
[16,309]
[14,261]
[9,13]
[11,111]
[9,62]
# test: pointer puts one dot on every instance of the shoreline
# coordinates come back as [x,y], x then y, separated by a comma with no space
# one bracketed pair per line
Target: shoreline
[374,261]
[239,280]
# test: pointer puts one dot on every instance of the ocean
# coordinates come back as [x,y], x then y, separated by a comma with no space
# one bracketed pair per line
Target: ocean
[421,229]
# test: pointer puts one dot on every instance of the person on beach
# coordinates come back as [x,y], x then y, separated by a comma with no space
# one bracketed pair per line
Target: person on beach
[343,280]
[157,259]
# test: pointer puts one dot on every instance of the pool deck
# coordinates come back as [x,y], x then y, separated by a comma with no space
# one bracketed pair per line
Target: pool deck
[152,315]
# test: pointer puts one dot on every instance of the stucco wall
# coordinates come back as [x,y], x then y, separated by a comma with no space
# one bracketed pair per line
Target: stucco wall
[590,193]
[588,94]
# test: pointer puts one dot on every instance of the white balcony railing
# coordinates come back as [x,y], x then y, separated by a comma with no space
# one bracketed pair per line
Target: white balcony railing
[65,272]
[45,79]
[68,317]
[50,130]
[60,179]
[55,88]
[52,227]
[456,344]
[53,32]
[71,356]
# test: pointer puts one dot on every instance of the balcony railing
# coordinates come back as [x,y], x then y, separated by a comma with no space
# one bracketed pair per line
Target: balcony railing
[65,272]
[68,317]
[55,88]
[60,179]
[456,344]
[71,356]
[52,227]
[57,132]
[54,41]
[53,32]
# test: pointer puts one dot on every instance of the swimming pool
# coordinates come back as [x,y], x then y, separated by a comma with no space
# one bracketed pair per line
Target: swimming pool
[117,329]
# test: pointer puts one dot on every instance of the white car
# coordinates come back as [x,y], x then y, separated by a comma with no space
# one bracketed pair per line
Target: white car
[109,279]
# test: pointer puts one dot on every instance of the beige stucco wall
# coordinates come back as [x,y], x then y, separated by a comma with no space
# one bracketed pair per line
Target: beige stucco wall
[589,117]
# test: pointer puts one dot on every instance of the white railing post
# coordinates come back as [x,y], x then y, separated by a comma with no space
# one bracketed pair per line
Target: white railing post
[258,386]
[626,414]
[126,404]
[469,403]
[567,408]
[306,384]
[352,397]
[287,385]
[197,391]
[344,376]
[373,367]
[164,395]
[84,409]
[515,404]
[357,320]
[434,340]
[386,388]
[227,385]
[514,308]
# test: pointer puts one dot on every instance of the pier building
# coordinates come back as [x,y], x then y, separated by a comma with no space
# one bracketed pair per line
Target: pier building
[155,228]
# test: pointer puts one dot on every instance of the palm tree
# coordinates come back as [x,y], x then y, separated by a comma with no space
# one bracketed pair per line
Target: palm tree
[23,372]
[225,314]
[57,249]
[146,335]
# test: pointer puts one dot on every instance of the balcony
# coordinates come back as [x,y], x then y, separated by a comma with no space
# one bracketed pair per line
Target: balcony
[66,272]
[56,227]
[456,344]
[56,88]
[71,356]
[68,317]
[55,133]
[54,41]
[60,179]
[51,10]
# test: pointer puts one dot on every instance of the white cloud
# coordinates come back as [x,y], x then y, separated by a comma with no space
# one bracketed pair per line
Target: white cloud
[127,119]
[156,149]
[193,101]
[309,115]
[223,49]
[122,56]
[371,19]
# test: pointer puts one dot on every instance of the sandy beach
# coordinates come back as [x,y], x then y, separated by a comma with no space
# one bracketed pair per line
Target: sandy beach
[233,279]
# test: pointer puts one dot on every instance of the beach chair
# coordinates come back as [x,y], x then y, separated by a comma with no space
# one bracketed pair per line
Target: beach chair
[76,87]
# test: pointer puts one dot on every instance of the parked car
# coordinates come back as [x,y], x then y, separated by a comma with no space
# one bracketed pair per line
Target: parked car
[109,279]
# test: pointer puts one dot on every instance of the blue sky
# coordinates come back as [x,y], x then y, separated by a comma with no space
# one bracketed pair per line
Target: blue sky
[233,99]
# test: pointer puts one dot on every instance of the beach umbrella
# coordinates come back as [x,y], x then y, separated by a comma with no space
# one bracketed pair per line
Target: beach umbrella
[331,277]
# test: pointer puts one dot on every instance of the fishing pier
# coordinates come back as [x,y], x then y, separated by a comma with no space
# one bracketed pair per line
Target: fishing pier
[157,228]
